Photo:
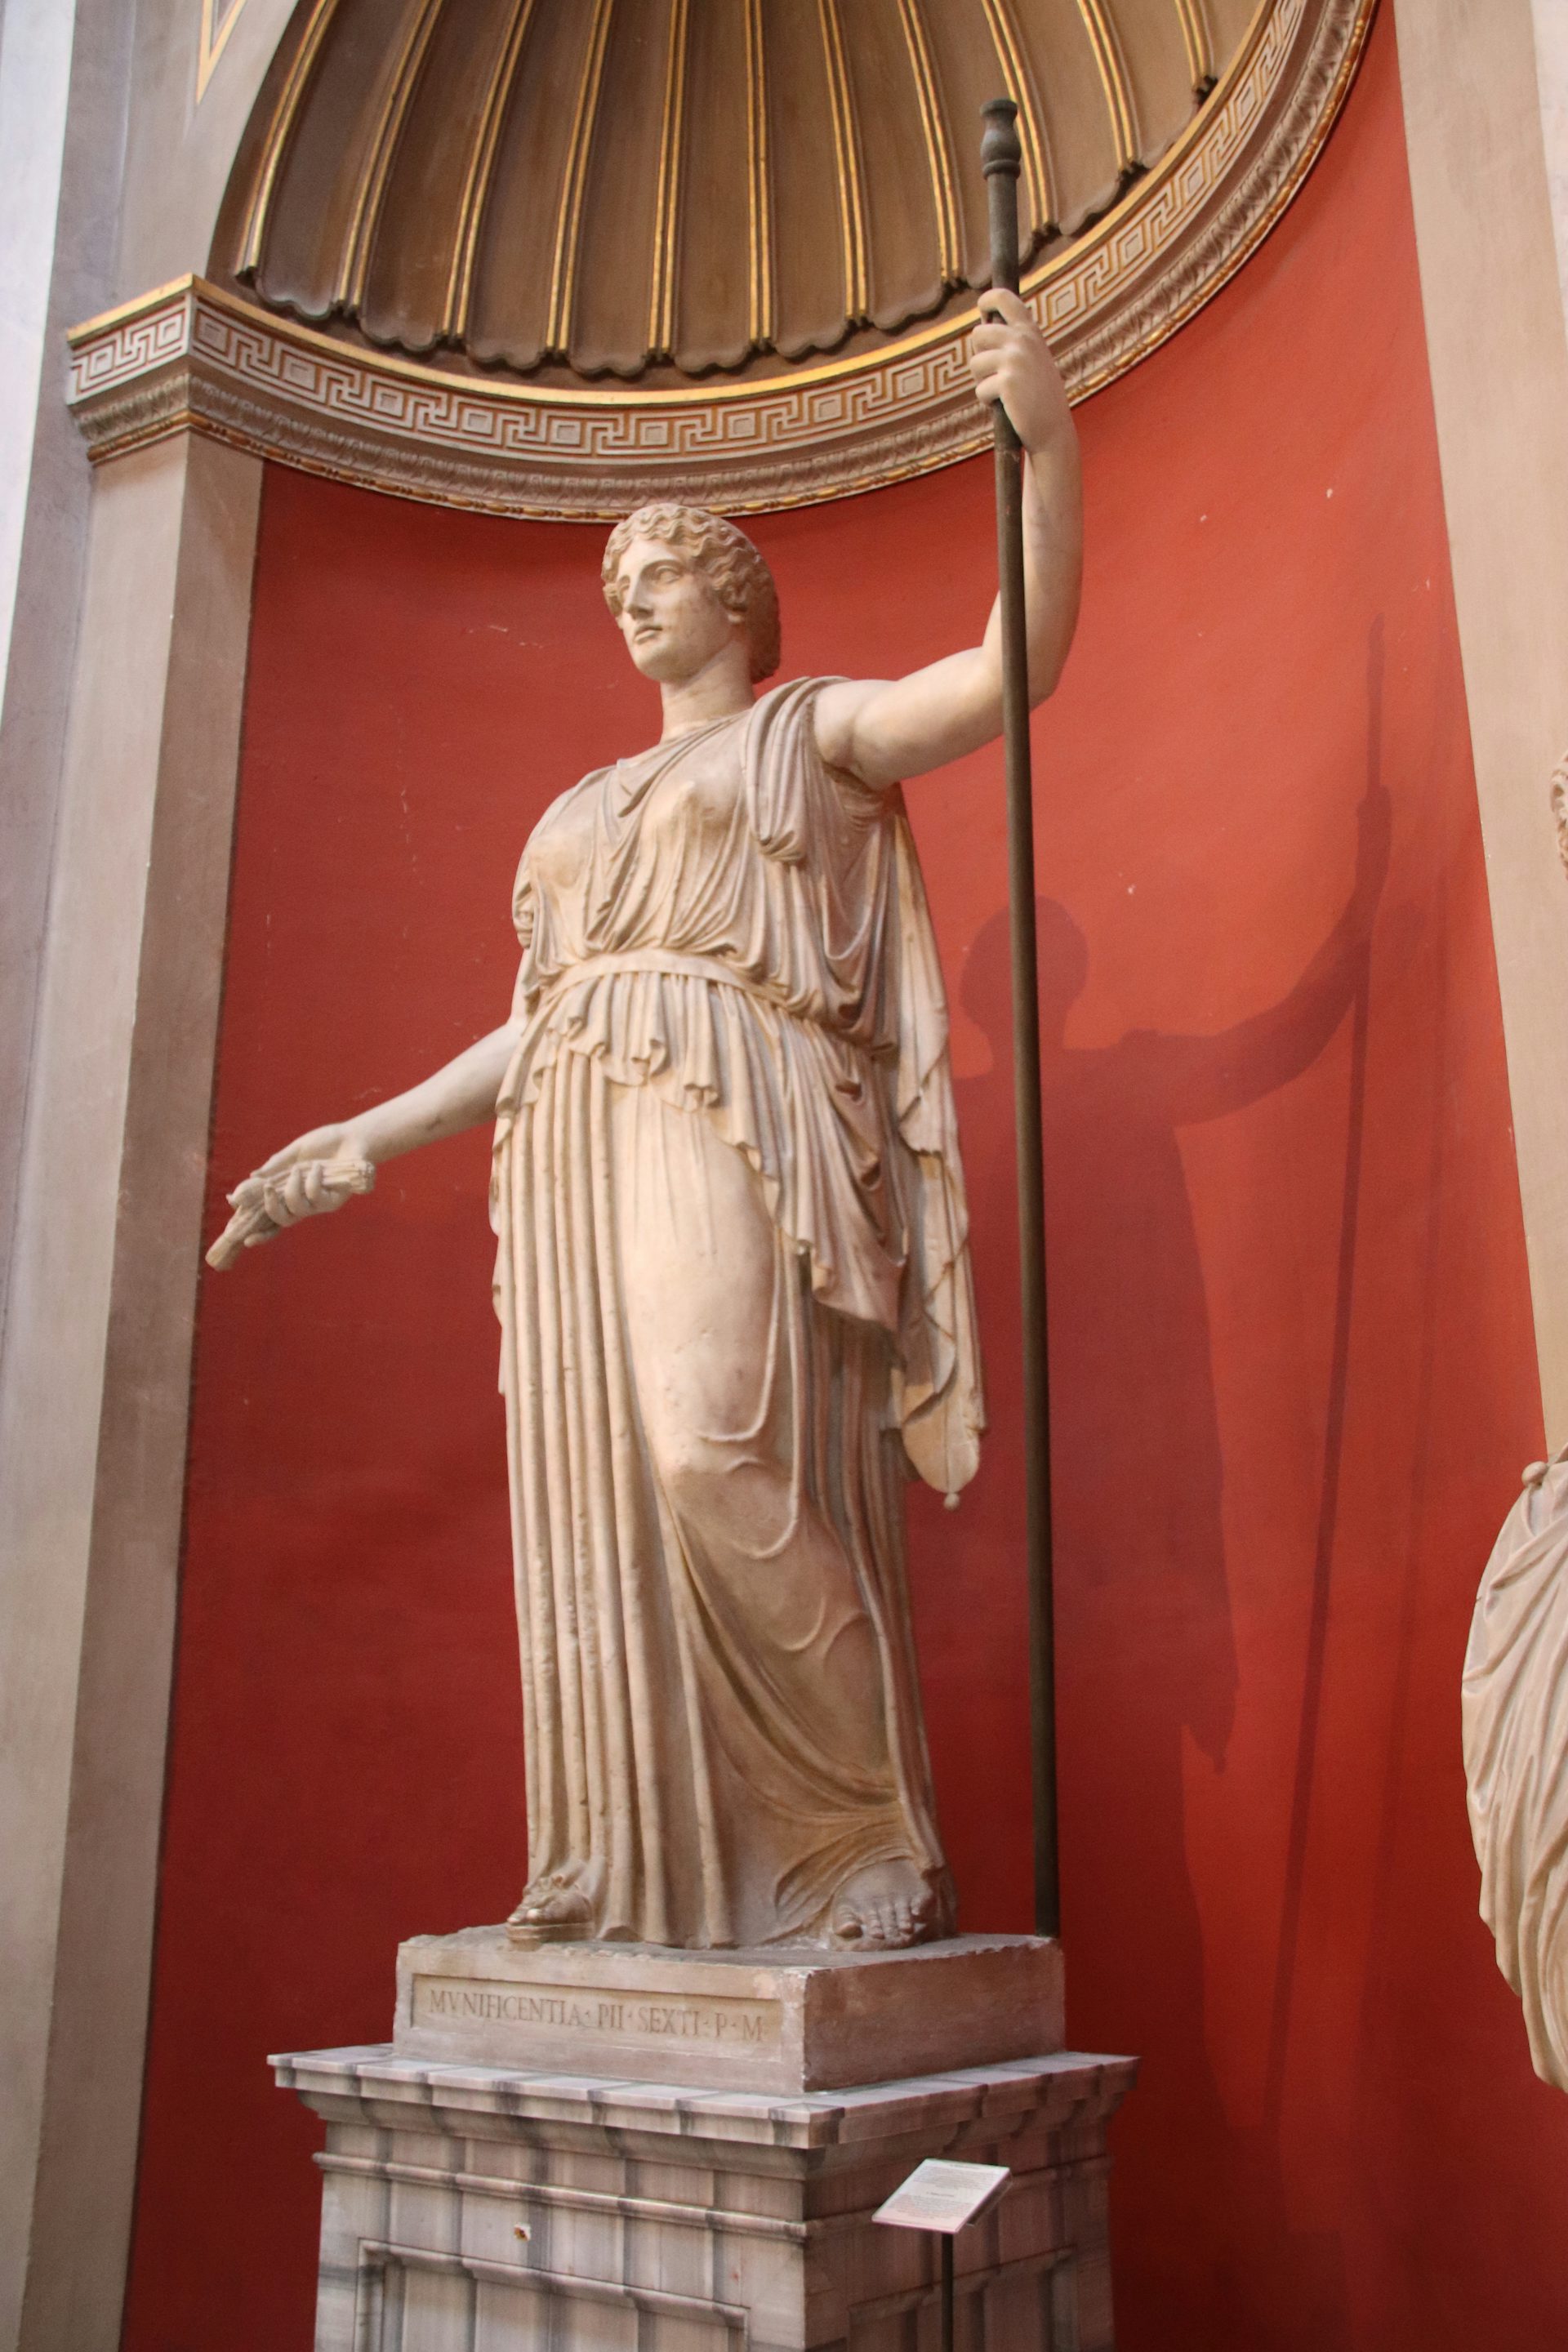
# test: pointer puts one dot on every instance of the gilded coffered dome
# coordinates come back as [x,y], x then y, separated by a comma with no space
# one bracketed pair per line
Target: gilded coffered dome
[652,190]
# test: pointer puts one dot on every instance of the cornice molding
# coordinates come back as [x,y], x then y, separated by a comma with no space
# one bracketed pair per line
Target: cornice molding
[192,357]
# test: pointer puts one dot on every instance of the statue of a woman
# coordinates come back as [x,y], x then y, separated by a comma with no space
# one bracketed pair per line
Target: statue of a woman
[733,1275]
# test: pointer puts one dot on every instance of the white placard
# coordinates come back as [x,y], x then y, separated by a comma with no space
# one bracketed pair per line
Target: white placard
[943,2196]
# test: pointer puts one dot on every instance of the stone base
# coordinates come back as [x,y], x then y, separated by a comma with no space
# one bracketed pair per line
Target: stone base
[783,2019]
[495,2210]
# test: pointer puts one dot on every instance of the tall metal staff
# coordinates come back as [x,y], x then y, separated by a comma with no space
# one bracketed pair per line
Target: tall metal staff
[1000,157]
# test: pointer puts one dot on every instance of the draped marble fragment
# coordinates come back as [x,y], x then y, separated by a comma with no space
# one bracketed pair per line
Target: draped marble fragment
[1516,1757]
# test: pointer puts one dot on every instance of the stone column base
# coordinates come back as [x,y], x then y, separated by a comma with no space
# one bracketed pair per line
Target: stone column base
[479,2208]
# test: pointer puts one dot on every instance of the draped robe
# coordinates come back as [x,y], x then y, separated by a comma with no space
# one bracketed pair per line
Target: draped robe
[1515,1715]
[733,1284]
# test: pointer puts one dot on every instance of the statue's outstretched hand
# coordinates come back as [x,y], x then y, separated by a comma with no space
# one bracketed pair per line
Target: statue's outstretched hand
[1011,362]
[309,1177]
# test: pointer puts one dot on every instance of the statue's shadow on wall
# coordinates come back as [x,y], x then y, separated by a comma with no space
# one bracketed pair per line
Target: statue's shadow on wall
[1147,1649]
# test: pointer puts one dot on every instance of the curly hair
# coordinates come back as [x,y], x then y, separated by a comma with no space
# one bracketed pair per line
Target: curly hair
[740,578]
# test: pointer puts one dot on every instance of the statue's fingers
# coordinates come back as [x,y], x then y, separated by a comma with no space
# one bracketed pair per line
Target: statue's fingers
[998,302]
[297,1191]
[315,1184]
[274,1202]
[284,1200]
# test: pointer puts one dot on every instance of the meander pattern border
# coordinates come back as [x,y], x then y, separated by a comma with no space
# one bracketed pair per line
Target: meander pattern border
[191,357]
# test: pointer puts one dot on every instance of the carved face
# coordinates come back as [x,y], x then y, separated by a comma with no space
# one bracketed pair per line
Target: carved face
[670,615]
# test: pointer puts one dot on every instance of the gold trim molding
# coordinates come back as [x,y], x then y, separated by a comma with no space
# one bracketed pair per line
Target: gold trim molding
[217,23]
[192,357]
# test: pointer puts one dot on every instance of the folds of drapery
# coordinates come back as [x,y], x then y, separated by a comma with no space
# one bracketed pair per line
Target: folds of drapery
[937,1394]
[777,981]
[802,1103]
[1515,1699]
[831,1071]
[696,1778]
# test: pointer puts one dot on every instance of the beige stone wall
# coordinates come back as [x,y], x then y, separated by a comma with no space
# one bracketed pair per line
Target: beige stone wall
[92,1417]
[118,742]
[1499,382]
[1550,20]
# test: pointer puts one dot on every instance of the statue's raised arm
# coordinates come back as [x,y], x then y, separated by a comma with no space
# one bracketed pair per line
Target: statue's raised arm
[885,730]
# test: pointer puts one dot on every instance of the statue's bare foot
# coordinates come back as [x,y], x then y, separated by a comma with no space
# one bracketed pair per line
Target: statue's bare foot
[555,1909]
[883,1908]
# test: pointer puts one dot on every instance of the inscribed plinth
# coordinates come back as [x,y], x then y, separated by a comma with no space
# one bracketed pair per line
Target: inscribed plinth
[789,2019]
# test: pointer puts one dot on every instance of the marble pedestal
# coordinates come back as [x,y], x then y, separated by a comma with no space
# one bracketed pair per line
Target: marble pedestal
[479,2208]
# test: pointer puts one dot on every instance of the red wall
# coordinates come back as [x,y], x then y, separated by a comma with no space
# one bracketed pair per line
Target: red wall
[1291,1342]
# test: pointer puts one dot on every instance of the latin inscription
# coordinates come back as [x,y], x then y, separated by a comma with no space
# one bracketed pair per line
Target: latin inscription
[612,2017]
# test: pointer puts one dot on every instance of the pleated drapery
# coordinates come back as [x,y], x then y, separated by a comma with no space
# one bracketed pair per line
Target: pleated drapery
[1516,1757]
[732,1279]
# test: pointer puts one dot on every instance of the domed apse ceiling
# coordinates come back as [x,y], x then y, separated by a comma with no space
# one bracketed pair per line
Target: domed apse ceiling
[652,190]
[552,257]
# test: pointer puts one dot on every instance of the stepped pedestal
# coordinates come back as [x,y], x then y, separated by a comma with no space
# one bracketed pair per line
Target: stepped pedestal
[706,2181]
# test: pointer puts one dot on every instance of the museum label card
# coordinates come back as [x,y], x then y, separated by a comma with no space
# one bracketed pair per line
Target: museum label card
[942,2196]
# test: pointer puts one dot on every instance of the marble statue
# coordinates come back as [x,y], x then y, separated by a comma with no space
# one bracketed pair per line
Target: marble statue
[1515,1701]
[732,1272]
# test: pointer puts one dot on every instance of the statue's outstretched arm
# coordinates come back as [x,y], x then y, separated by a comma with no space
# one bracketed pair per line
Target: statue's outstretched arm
[322,1170]
[884,730]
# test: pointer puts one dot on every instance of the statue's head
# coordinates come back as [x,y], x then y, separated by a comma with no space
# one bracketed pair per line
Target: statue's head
[682,583]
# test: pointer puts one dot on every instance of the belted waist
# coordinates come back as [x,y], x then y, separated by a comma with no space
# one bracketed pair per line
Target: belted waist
[685,967]
[689,967]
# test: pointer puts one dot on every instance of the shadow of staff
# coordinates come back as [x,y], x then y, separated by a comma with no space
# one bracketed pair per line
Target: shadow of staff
[1204,2255]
